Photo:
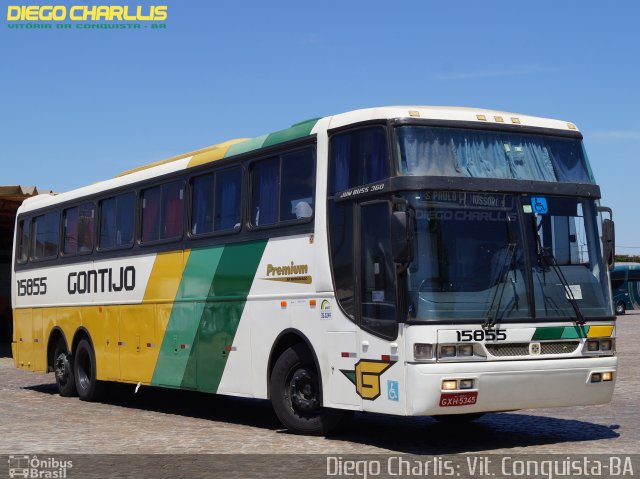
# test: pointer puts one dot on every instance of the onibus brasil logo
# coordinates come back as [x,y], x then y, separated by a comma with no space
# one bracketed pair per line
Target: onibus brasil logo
[34,467]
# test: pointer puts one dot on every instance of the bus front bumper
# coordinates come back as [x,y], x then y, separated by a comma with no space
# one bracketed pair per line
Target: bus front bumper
[508,385]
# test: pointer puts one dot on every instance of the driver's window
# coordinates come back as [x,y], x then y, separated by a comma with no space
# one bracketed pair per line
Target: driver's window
[377,281]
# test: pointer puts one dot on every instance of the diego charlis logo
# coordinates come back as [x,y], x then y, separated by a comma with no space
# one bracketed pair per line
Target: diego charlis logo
[63,17]
[27,466]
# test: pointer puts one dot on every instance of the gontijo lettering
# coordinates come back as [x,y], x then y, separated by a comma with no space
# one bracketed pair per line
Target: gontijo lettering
[57,13]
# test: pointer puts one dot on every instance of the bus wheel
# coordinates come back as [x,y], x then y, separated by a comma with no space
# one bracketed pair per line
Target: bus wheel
[84,367]
[458,418]
[621,308]
[296,395]
[65,379]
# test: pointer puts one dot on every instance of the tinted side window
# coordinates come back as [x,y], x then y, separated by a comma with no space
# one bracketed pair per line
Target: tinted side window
[358,157]
[162,210]
[216,202]
[296,190]
[228,200]
[282,188]
[78,229]
[266,176]
[46,232]
[634,275]
[117,221]
[341,242]
[24,236]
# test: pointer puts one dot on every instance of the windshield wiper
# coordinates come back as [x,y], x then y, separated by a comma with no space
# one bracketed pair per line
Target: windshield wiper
[498,294]
[546,260]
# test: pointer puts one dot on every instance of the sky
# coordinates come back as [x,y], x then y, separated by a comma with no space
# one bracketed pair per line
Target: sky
[79,106]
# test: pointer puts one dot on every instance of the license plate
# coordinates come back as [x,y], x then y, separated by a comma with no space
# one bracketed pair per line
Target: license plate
[458,399]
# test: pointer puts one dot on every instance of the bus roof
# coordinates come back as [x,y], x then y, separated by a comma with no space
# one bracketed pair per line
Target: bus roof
[300,130]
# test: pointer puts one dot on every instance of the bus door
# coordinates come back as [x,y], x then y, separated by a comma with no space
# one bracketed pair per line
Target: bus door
[379,371]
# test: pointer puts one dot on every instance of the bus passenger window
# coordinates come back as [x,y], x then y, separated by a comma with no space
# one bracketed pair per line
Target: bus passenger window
[162,208]
[228,199]
[296,191]
[24,235]
[117,221]
[202,205]
[264,204]
[46,230]
[358,157]
[78,229]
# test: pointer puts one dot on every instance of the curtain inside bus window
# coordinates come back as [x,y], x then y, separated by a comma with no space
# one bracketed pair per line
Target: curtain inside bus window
[85,227]
[23,246]
[108,223]
[438,151]
[125,220]
[202,205]
[264,209]
[151,214]
[357,158]
[172,208]
[45,236]
[227,199]
[296,193]
[70,232]
[569,160]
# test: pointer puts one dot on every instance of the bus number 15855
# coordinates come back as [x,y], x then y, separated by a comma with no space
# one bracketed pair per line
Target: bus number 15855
[467,335]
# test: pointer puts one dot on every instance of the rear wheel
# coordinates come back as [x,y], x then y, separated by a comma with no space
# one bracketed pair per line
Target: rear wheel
[296,395]
[62,361]
[621,308]
[84,367]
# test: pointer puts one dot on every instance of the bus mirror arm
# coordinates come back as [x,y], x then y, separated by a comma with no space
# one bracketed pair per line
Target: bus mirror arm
[608,237]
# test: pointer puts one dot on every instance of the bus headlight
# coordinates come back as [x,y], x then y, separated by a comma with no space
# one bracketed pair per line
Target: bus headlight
[604,346]
[448,352]
[422,352]
[465,350]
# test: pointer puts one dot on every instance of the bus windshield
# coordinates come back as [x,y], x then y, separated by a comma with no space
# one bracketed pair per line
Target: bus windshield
[491,257]
[425,150]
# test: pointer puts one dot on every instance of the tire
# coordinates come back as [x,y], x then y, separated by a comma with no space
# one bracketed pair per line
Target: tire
[84,368]
[454,419]
[296,395]
[620,308]
[63,370]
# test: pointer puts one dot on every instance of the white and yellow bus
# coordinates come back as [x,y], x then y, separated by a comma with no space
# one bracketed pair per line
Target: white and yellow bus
[402,260]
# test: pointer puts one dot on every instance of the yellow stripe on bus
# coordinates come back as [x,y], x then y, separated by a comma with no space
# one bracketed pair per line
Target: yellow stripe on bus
[214,154]
[165,277]
[600,331]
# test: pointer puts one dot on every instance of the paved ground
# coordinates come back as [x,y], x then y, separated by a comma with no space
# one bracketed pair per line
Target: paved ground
[35,420]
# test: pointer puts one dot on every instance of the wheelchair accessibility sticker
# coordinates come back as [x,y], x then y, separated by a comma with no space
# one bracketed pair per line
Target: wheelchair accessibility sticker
[392,390]
[539,205]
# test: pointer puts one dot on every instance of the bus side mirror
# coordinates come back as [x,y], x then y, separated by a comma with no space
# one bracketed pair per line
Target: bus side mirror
[608,238]
[402,228]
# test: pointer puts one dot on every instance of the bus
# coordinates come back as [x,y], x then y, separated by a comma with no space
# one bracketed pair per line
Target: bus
[625,285]
[413,261]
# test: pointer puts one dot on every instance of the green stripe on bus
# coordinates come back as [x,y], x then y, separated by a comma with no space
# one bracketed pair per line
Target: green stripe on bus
[560,332]
[299,130]
[243,147]
[220,319]
[181,330]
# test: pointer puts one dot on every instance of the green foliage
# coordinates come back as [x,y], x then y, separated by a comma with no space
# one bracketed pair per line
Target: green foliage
[626,258]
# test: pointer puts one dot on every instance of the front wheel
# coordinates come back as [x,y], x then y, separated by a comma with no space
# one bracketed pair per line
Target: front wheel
[84,366]
[65,379]
[296,395]
[620,308]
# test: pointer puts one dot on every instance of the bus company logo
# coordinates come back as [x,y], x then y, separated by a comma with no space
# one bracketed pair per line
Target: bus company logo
[366,377]
[34,467]
[325,309]
[291,273]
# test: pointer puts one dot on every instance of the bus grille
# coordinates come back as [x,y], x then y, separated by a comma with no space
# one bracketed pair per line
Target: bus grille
[522,349]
